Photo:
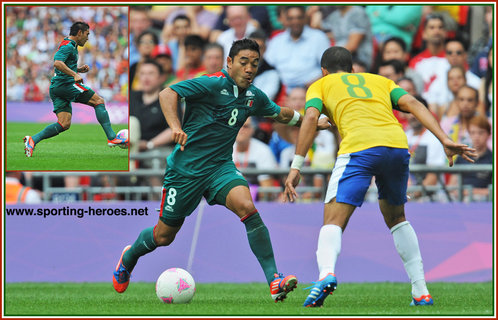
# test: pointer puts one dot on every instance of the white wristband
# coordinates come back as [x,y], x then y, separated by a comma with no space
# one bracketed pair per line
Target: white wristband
[294,119]
[298,162]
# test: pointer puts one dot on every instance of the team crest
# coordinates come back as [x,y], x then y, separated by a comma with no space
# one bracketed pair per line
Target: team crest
[249,102]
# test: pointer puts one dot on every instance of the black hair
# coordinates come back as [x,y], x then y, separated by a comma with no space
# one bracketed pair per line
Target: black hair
[216,45]
[460,40]
[336,59]
[243,44]
[155,63]
[258,34]
[287,8]
[181,17]
[195,41]
[155,39]
[398,40]
[432,16]
[77,26]
[398,66]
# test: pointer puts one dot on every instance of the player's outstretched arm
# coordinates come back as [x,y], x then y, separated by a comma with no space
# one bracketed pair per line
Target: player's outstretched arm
[304,142]
[168,100]
[409,104]
[62,67]
[294,118]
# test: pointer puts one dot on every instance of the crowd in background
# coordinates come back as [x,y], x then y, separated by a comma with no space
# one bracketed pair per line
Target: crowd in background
[33,34]
[426,50]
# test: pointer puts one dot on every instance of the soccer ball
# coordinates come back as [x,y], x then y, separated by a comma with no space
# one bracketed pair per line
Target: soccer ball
[175,285]
[123,134]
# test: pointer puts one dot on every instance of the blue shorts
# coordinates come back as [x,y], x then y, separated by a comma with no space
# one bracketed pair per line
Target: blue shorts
[353,174]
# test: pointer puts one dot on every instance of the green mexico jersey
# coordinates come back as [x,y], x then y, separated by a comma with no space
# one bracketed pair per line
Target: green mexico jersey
[67,53]
[215,111]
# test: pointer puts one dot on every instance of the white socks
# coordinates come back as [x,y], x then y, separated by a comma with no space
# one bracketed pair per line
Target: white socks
[406,243]
[329,247]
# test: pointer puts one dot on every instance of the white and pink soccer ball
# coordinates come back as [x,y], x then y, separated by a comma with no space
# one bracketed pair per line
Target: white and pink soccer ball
[123,134]
[175,285]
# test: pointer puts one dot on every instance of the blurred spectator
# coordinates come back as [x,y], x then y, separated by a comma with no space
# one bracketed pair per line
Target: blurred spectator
[267,78]
[249,152]
[260,18]
[394,21]
[162,55]
[174,35]
[350,28]
[424,148]
[408,85]
[395,48]
[480,132]
[193,66]
[202,18]
[239,21]
[480,49]
[455,81]
[144,105]
[486,89]
[16,192]
[146,43]
[359,66]
[392,69]
[296,52]
[438,94]
[457,127]
[139,22]
[426,62]
[213,58]
[33,33]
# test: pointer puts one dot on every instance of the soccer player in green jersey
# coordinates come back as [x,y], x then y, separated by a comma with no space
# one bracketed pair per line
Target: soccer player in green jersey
[67,86]
[201,164]
[373,144]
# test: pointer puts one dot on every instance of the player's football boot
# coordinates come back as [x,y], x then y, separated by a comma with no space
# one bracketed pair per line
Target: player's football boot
[29,146]
[321,290]
[281,286]
[119,142]
[121,277]
[424,300]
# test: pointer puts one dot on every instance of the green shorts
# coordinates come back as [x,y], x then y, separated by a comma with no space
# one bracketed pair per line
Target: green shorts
[181,195]
[63,95]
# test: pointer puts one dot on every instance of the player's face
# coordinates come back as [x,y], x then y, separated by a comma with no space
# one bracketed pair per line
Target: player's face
[242,69]
[82,37]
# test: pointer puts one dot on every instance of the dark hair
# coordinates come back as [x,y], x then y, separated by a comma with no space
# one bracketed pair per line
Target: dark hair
[195,41]
[464,43]
[301,8]
[181,17]
[258,34]
[243,44]
[432,16]
[398,40]
[213,45]
[155,63]
[337,58]
[398,66]
[405,78]
[155,39]
[77,26]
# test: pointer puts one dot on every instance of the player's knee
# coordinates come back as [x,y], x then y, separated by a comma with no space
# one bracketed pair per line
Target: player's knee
[99,100]
[164,239]
[245,208]
[65,125]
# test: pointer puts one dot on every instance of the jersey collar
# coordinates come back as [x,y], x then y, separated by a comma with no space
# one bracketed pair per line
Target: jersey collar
[236,90]
[72,41]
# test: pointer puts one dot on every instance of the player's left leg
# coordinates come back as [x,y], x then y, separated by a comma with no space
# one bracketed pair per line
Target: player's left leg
[97,102]
[392,186]
[240,202]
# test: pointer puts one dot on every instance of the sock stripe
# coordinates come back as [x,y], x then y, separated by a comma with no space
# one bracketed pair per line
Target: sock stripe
[248,215]
[61,125]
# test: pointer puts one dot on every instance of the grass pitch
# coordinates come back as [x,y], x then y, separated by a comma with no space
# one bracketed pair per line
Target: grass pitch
[244,299]
[82,147]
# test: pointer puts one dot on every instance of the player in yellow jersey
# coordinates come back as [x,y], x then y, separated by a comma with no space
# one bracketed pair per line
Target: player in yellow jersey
[373,145]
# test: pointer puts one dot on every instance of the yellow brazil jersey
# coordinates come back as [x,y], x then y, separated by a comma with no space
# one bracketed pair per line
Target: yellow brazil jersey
[361,106]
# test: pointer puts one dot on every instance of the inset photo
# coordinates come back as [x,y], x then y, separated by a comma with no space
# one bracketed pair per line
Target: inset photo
[66,88]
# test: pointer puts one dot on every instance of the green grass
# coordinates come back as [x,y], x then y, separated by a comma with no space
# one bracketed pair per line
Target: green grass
[82,147]
[383,299]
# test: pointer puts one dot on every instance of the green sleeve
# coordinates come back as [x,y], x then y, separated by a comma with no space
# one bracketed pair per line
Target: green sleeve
[395,95]
[315,103]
